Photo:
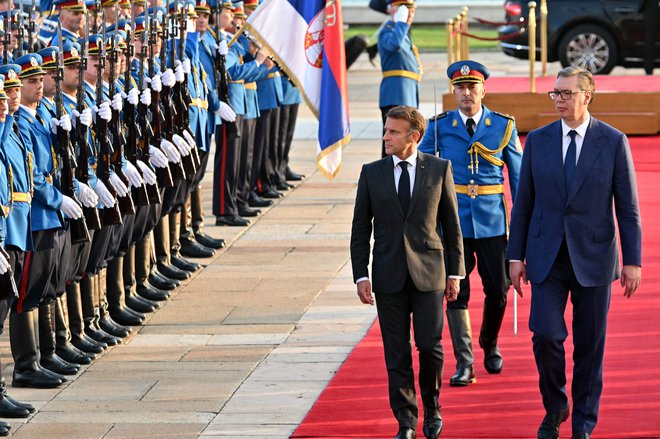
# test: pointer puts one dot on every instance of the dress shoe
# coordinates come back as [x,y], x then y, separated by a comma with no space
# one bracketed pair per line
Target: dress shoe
[9,410]
[235,221]
[549,428]
[72,354]
[492,358]
[255,200]
[284,186]
[193,249]
[293,176]
[463,376]
[249,212]
[405,433]
[3,391]
[160,282]
[150,292]
[209,241]
[183,264]
[55,364]
[37,379]
[87,345]
[580,435]
[272,194]
[4,428]
[172,272]
[432,423]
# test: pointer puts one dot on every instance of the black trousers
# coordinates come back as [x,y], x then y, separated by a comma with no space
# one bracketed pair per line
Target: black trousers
[16,262]
[268,177]
[546,321]
[383,113]
[38,269]
[394,315]
[248,131]
[226,172]
[288,118]
[261,142]
[488,255]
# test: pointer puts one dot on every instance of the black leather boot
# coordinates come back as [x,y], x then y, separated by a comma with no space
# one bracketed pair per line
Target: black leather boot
[49,358]
[7,407]
[23,340]
[24,405]
[490,329]
[77,323]
[91,313]
[135,303]
[63,347]
[114,284]
[458,321]
[4,428]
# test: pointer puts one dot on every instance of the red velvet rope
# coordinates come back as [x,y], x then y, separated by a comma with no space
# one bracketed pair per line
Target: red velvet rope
[498,38]
[496,23]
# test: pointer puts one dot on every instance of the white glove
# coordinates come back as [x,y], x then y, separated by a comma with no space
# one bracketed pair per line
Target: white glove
[187,68]
[168,78]
[179,72]
[119,185]
[64,122]
[86,195]
[147,174]
[189,139]
[155,82]
[103,111]
[225,112]
[4,264]
[85,117]
[105,197]
[145,97]
[70,208]
[222,49]
[117,102]
[401,14]
[170,151]
[181,145]
[157,158]
[133,96]
[133,175]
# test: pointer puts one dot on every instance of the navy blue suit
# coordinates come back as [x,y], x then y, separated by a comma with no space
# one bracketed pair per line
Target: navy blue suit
[569,243]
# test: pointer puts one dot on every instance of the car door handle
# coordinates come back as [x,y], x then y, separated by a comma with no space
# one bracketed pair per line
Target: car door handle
[624,10]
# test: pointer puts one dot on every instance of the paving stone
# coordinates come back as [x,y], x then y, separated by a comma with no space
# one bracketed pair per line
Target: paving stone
[247,354]
[270,431]
[136,352]
[248,339]
[174,340]
[265,314]
[82,417]
[216,329]
[205,405]
[151,431]
[60,429]
[105,389]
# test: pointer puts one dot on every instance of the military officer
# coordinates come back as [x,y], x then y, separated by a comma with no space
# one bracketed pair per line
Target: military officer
[72,17]
[399,60]
[479,142]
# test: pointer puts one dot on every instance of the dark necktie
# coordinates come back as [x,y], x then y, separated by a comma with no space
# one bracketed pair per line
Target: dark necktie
[404,187]
[569,161]
[470,126]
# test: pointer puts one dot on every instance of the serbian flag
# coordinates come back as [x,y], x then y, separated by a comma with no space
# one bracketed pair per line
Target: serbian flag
[306,37]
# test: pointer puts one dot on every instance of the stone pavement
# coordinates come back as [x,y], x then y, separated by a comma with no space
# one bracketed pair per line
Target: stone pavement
[245,347]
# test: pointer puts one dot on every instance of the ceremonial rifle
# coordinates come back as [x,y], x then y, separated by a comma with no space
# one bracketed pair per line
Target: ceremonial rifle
[221,75]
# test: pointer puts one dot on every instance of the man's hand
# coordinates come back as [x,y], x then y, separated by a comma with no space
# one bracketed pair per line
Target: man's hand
[631,278]
[451,289]
[517,271]
[401,14]
[364,292]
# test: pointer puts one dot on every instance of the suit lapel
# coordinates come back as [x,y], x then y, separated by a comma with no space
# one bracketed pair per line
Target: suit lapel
[554,157]
[588,157]
[420,176]
[388,183]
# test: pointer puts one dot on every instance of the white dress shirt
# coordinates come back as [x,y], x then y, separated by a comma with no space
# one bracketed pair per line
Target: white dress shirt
[476,118]
[579,139]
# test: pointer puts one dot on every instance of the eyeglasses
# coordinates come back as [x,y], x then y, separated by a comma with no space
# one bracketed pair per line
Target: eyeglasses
[565,94]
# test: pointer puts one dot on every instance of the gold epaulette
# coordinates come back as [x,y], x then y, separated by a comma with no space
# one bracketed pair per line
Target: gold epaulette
[508,116]
[212,32]
[438,116]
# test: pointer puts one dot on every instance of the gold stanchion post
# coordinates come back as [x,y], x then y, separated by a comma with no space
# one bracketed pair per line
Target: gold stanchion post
[465,50]
[544,38]
[458,27]
[532,46]
[450,45]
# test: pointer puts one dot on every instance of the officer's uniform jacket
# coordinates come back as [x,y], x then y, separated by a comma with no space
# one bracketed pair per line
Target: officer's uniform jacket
[269,89]
[4,186]
[207,65]
[249,78]
[290,93]
[401,66]
[478,166]
[198,110]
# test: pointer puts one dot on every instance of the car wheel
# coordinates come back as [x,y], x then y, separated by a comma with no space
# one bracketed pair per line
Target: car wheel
[590,47]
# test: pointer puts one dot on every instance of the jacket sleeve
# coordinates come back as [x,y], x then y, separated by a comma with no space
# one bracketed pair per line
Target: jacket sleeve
[391,39]
[513,158]
[523,205]
[428,143]
[451,226]
[361,229]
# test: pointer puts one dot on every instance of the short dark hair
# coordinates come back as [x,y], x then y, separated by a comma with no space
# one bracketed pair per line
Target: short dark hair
[412,116]
[584,76]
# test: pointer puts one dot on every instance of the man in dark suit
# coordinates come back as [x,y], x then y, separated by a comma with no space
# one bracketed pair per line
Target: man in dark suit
[409,200]
[563,239]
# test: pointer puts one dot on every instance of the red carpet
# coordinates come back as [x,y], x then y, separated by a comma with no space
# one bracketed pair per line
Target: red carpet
[604,84]
[509,405]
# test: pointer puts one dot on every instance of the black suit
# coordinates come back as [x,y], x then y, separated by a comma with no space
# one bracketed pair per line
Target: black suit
[409,270]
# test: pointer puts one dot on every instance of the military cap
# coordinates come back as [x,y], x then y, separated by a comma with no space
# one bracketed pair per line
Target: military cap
[71,52]
[90,5]
[125,4]
[3,95]
[71,5]
[108,3]
[401,2]
[95,42]
[467,71]
[227,4]
[202,6]
[239,12]
[30,65]
[142,3]
[49,57]
[191,6]
[122,24]
[11,73]
[251,4]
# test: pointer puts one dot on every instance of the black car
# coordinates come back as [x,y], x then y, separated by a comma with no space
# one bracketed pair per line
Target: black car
[595,34]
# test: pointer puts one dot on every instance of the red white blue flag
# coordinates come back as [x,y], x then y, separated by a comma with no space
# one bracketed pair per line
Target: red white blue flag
[306,37]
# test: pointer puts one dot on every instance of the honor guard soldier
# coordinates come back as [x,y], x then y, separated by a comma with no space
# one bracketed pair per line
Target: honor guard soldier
[399,60]
[72,17]
[9,407]
[478,142]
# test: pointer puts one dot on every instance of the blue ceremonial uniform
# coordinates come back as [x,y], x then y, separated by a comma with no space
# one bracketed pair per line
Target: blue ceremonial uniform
[198,110]
[290,93]
[207,65]
[483,216]
[401,66]
[251,100]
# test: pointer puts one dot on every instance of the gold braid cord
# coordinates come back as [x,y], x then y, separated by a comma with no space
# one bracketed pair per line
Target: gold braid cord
[11,187]
[420,68]
[479,149]
[30,164]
